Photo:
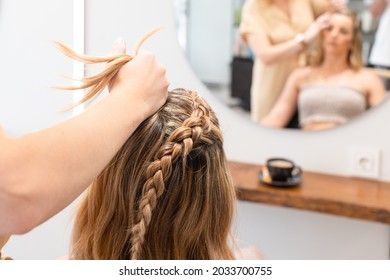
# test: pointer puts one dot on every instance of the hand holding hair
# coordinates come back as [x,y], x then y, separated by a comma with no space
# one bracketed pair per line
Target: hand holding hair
[315,28]
[114,62]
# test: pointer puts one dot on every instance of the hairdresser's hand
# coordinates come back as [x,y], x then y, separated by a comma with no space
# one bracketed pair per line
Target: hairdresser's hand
[143,79]
[315,28]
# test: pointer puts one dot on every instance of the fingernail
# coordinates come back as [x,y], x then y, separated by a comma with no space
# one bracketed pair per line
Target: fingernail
[119,40]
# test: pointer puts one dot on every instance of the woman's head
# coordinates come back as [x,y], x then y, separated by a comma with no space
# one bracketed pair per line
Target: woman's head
[342,38]
[167,194]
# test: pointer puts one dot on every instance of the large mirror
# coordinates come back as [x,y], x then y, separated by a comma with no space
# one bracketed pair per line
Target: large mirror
[208,32]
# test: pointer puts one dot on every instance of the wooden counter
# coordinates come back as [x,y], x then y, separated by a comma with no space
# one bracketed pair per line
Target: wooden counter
[344,196]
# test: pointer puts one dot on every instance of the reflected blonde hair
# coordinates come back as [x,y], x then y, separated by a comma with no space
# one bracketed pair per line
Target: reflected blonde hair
[166,194]
[316,58]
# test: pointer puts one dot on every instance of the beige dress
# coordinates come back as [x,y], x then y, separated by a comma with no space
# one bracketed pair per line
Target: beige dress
[268,80]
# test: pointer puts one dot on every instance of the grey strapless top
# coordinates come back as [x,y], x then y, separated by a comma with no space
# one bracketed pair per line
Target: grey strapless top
[329,103]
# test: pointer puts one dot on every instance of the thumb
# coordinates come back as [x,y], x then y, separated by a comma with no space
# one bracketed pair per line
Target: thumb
[119,46]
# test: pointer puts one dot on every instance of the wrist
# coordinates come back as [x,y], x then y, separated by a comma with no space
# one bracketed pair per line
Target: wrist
[300,40]
[130,106]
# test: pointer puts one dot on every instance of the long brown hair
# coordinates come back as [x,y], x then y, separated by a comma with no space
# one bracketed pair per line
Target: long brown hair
[166,194]
[354,58]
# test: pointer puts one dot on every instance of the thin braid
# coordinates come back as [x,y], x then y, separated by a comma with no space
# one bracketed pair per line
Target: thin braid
[178,145]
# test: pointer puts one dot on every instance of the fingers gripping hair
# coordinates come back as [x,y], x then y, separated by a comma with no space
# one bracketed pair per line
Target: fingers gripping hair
[97,83]
[194,130]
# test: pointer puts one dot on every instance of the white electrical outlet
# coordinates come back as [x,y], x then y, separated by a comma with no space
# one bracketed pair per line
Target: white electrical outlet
[364,162]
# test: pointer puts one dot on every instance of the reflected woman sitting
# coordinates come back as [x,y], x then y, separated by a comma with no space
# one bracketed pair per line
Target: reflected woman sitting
[335,87]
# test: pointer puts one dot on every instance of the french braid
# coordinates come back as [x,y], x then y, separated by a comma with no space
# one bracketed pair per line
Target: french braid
[194,130]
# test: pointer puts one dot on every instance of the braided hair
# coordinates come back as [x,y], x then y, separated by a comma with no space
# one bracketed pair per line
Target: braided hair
[166,194]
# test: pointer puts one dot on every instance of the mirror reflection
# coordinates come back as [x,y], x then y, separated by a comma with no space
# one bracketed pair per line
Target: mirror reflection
[284,64]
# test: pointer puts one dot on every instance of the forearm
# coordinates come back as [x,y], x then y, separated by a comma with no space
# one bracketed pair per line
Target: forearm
[282,51]
[275,53]
[41,173]
[278,117]
[285,107]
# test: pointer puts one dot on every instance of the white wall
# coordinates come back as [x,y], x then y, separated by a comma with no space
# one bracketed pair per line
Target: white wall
[209,46]
[310,234]
[30,65]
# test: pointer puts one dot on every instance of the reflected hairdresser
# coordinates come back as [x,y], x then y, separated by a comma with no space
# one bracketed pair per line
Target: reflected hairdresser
[235,91]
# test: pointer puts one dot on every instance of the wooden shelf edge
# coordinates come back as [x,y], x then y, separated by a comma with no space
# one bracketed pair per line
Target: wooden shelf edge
[249,189]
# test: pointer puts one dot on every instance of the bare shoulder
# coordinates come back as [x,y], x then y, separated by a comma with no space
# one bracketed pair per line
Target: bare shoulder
[371,84]
[367,75]
[300,75]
